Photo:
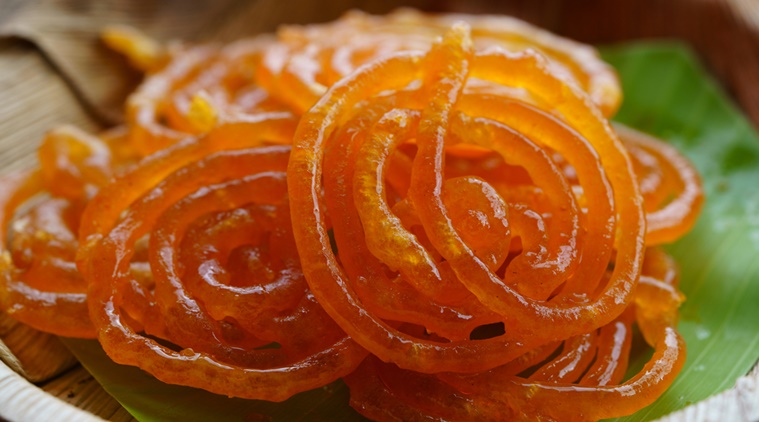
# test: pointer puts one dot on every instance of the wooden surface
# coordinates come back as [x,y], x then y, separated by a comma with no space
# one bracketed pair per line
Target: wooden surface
[79,388]
[49,53]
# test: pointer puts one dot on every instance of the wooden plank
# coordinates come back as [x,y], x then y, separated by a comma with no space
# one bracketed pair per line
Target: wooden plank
[78,388]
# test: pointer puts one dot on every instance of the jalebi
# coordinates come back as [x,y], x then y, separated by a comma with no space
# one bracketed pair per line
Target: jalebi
[312,58]
[456,230]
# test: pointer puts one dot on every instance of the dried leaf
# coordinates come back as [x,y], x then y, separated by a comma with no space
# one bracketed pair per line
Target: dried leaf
[35,99]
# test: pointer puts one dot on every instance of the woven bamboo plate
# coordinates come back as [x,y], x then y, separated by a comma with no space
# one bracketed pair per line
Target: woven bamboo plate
[53,72]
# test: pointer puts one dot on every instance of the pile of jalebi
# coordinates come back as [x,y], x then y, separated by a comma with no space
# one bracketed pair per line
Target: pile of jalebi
[458,232]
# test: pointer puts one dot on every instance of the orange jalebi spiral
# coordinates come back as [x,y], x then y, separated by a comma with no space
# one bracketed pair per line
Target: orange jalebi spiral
[40,284]
[443,72]
[581,382]
[189,89]
[312,58]
[457,207]
[429,251]
[190,300]
[670,186]
[74,165]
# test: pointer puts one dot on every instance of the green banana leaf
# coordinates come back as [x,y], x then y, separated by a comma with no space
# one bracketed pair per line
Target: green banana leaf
[668,94]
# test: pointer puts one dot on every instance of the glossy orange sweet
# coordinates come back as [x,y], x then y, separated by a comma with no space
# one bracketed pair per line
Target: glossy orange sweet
[554,254]
[454,205]
[312,58]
